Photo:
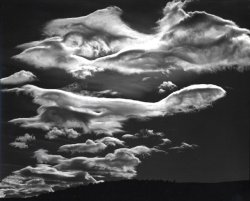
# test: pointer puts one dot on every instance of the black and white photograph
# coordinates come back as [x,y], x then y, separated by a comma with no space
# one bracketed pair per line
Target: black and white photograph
[124,100]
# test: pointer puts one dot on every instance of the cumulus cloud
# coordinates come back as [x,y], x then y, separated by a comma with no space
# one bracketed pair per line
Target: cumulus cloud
[88,147]
[184,147]
[22,142]
[54,133]
[166,86]
[106,115]
[21,77]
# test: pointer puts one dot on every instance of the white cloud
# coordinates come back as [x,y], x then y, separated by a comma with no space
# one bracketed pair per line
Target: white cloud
[42,156]
[129,136]
[195,41]
[68,110]
[31,181]
[54,133]
[166,86]
[119,164]
[20,145]
[21,77]
[88,147]
[22,142]
[111,141]
[184,147]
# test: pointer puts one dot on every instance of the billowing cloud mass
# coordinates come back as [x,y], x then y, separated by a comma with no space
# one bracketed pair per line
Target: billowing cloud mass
[105,115]
[101,41]
[113,68]
[21,77]
[22,142]
[121,164]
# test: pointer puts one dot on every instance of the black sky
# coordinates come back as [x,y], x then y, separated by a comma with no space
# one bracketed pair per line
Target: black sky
[222,131]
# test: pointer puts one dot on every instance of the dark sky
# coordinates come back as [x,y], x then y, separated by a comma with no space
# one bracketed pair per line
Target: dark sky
[222,131]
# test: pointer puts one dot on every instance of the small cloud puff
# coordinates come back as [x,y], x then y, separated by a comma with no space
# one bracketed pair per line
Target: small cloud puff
[184,147]
[166,86]
[55,133]
[22,142]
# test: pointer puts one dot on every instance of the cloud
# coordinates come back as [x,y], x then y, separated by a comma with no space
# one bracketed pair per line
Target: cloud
[88,147]
[42,156]
[187,40]
[110,141]
[16,185]
[50,173]
[31,181]
[102,53]
[21,77]
[106,115]
[192,98]
[26,138]
[119,164]
[20,145]
[55,133]
[166,86]
[22,142]
[129,136]
[91,146]
[165,141]
[184,147]
[141,150]
[147,133]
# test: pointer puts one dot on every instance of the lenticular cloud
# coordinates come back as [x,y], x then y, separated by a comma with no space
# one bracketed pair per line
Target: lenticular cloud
[106,115]
[113,67]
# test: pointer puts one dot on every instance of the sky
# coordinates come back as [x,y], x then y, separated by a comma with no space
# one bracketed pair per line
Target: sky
[93,91]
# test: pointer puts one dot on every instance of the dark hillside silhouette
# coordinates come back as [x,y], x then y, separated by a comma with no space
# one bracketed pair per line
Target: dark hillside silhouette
[134,190]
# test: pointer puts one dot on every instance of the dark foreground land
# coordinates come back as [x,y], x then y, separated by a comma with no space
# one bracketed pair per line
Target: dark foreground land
[134,190]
